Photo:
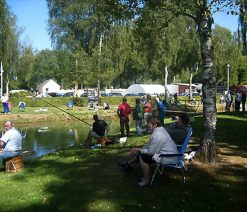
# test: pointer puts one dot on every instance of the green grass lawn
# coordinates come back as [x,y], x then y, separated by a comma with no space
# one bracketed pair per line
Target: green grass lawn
[80,179]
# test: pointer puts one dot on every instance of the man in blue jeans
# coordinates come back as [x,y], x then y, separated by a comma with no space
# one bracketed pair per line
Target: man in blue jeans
[10,142]
[5,103]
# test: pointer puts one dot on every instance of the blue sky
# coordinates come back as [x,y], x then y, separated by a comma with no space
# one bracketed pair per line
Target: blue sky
[32,15]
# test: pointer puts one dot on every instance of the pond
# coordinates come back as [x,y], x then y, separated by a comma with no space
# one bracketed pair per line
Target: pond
[41,139]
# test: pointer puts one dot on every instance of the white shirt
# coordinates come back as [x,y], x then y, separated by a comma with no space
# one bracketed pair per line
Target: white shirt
[4,99]
[12,138]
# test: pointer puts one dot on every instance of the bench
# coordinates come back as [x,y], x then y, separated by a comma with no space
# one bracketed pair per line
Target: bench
[13,164]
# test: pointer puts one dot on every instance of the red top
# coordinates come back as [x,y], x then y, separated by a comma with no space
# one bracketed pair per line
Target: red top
[124,109]
[148,107]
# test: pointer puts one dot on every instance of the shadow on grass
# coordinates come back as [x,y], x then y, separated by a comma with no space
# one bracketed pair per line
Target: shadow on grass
[79,179]
[230,133]
[90,180]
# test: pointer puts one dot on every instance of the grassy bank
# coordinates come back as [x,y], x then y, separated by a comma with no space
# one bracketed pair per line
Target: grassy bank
[80,179]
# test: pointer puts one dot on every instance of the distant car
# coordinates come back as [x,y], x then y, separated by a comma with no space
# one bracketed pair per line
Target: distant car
[183,94]
[115,94]
[187,94]
[84,95]
[195,94]
[105,94]
[68,94]
[92,98]
[44,95]
[55,94]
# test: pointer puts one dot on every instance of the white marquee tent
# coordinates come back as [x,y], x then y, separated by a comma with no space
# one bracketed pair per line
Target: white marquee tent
[142,89]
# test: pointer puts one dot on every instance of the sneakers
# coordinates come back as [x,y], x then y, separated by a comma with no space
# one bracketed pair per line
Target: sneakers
[143,183]
[125,167]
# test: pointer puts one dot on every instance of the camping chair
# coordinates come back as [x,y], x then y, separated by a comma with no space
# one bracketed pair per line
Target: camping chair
[180,159]
[70,105]
[22,106]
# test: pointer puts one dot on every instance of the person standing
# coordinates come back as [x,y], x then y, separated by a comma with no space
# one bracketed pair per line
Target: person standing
[147,109]
[222,99]
[5,103]
[228,99]
[138,116]
[238,98]
[175,96]
[161,110]
[10,142]
[123,112]
[243,100]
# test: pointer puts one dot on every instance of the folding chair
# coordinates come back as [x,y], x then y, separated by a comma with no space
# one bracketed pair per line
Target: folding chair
[22,106]
[70,105]
[180,160]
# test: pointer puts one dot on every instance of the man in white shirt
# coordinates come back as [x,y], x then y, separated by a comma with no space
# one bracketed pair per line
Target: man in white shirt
[10,142]
[5,103]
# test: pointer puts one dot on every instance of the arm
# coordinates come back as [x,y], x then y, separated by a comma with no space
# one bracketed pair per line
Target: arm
[1,145]
[119,111]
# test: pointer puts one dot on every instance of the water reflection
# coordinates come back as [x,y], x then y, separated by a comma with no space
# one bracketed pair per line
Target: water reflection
[39,139]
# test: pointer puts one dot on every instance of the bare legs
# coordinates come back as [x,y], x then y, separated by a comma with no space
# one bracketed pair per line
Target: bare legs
[146,173]
[89,139]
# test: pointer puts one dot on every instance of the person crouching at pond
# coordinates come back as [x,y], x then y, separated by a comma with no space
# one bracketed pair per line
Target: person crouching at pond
[138,116]
[123,111]
[10,142]
[97,131]
[160,143]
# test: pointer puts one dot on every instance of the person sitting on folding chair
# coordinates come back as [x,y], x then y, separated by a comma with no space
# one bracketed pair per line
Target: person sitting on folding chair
[22,106]
[179,129]
[98,130]
[159,143]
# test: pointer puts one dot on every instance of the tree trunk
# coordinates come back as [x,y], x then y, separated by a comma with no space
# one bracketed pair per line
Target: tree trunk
[208,146]
[190,86]
[76,94]
[166,76]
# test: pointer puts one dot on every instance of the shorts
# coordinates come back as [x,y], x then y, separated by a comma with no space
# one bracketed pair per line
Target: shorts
[95,135]
[147,158]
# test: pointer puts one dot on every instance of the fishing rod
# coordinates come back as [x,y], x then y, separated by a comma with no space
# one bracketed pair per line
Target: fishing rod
[65,112]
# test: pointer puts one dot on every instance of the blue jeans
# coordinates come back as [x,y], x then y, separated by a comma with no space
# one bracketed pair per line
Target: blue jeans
[8,154]
[6,107]
[139,127]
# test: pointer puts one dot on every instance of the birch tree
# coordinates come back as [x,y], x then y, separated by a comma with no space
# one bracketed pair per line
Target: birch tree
[201,11]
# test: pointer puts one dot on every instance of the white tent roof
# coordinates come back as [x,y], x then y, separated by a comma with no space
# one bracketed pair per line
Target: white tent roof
[152,89]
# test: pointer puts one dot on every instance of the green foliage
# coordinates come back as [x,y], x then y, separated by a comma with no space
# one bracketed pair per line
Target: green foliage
[242,70]
[225,52]
[20,94]
[9,36]
[68,180]
[117,43]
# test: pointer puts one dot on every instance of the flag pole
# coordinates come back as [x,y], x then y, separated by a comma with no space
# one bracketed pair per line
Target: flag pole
[1,79]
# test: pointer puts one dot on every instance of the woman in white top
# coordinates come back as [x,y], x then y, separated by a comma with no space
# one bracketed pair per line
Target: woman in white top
[160,143]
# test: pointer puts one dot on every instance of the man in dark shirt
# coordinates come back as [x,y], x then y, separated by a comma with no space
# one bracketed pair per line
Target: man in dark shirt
[97,131]
[179,130]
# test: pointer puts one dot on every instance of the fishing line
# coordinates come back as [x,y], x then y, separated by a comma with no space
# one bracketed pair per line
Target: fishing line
[65,111]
